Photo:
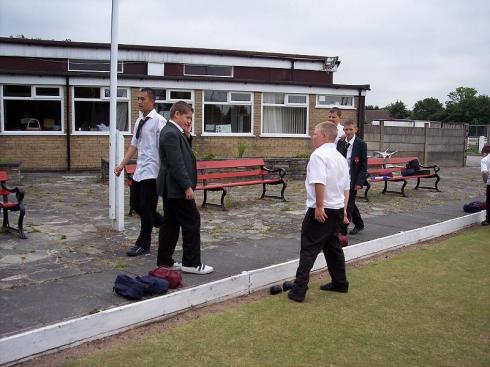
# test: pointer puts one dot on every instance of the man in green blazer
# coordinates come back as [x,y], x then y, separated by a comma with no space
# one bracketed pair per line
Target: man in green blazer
[176,182]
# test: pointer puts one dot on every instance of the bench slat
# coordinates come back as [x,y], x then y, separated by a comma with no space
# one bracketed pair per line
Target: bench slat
[233,184]
[235,174]
[230,163]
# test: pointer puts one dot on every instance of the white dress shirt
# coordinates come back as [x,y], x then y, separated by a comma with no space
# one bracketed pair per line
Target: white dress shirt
[148,162]
[349,149]
[328,167]
[340,132]
[485,166]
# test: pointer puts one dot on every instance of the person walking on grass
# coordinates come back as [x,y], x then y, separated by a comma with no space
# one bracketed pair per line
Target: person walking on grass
[327,189]
[485,174]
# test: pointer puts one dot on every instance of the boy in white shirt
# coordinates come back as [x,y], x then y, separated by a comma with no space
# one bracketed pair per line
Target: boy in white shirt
[485,174]
[334,116]
[327,187]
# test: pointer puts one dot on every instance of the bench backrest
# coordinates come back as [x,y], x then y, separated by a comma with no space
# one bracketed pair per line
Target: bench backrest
[393,160]
[229,169]
[3,176]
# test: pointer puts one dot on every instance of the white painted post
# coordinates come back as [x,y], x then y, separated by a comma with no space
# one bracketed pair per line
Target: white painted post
[112,115]
[481,143]
[119,225]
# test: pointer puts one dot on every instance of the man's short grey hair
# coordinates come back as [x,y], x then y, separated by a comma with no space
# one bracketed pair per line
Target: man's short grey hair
[150,92]
[328,129]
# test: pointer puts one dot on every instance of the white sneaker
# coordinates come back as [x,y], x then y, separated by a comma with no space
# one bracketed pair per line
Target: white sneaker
[201,269]
[176,266]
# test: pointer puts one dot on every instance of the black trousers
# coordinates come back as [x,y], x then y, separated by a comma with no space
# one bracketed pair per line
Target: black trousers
[180,213]
[488,204]
[143,199]
[316,237]
[353,213]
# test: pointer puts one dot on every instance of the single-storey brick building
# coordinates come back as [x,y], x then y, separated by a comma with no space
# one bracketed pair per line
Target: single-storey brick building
[54,99]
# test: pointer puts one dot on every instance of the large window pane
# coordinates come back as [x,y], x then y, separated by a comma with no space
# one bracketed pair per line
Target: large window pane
[32,115]
[208,70]
[330,100]
[227,118]
[215,96]
[87,92]
[284,120]
[94,116]
[274,98]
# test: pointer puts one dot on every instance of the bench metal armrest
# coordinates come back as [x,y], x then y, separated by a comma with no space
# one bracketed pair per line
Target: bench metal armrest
[19,193]
[282,172]
[435,167]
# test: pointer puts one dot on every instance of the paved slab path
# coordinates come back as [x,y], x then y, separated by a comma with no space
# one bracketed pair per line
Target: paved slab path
[67,267]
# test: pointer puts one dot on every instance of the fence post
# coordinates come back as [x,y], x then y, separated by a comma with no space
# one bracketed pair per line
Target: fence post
[426,144]
[381,135]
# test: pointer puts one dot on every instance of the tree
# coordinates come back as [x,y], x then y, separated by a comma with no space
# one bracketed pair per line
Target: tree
[371,107]
[428,109]
[464,105]
[398,110]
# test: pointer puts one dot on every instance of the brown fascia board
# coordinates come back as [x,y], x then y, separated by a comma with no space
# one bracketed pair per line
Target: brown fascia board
[187,78]
[206,51]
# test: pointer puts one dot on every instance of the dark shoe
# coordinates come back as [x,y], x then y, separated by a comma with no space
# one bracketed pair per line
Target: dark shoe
[331,287]
[356,230]
[485,223]
[137,250]
[295,296]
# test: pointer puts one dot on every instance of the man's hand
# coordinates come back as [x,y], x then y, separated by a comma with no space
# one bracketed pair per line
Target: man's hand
[118,169]
[189,194]
[346,220]
[357,187]
[320,215]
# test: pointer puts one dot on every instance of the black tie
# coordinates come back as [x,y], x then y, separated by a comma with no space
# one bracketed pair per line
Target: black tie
[140,126]
[346,148]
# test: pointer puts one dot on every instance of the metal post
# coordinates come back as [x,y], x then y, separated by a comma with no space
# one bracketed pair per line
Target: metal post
[113,187]
[119,225]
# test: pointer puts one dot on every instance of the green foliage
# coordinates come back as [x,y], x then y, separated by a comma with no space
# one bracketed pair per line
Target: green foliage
[398,110]
[372,107]
[302,155]
[208,156]
[242,147]
[395,309]
[464,105]
[428,109]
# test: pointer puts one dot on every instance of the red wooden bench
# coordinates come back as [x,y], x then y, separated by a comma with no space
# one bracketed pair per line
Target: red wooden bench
[390,170]
[217,175]
[7,205]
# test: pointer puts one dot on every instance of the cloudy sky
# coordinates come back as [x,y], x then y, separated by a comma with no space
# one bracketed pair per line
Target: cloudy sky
[405,49]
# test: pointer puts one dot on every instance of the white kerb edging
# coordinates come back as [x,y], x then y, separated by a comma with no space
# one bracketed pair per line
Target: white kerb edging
[32,342]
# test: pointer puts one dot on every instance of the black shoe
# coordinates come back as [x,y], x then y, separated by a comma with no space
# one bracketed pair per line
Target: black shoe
[331,287]
[356,230]
[137,250]
[485,223]
[295,296]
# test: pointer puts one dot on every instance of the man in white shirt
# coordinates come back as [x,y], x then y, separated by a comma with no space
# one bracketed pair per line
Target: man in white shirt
[485,174]
[334,116]
[143,195]
[327,188]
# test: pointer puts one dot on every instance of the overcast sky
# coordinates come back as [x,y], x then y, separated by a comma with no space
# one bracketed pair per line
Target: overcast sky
[405,49]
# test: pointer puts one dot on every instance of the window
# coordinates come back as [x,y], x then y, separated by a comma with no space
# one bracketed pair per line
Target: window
[328,101]
[32,109]
[227,112]
[92,65]
[208,70]
[91,109]
[284,114]
[163,104]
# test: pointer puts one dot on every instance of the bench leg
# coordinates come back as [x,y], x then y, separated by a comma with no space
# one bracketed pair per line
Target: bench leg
[20,223]
[386,188]
[203,205]
[368,186]
[437,182]
[282,197]
[403,188]
[5,218]
[223,198]
[284,185]
[263,191]
[418,183]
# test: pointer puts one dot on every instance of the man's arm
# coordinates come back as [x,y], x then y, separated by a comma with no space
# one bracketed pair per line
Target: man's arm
[320,214]
[175,162]
[346,200]
[484,176]
[129,154]
[361,177]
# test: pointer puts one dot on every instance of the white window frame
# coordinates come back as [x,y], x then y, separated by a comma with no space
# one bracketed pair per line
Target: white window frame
[101,98]
[33,97]
[173,100]
[211,75]
[286,105]
[230,102]
[346,107]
